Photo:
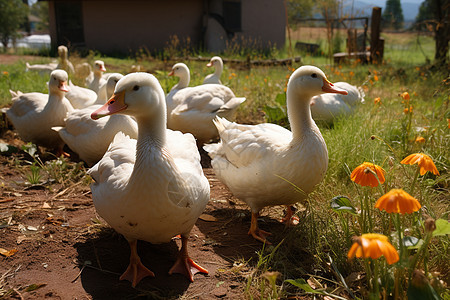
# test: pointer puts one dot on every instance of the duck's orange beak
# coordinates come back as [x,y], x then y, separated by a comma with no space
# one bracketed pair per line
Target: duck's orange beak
[63,86]
[171,73]
[102,68]
[114,105]
[328,87]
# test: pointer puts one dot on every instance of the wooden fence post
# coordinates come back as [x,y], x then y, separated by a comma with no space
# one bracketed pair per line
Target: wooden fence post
[376,46]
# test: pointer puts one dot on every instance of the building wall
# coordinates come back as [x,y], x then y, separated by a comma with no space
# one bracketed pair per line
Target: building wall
[111,26]
[264,21]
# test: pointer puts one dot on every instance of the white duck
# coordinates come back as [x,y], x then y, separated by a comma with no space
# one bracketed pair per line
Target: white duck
[150,189]
[80,97]
[83,71]
[91,138]
[261,163]
[64,63]
[192,109]
[97,80]
[217,63]
[43,69]
[328,107]
[107,88]
[33,114]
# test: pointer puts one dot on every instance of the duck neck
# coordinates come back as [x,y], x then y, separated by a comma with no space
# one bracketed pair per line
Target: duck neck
[151,135]
[55,96]
[299,113]
[218,70]
[184,81]
[98,74]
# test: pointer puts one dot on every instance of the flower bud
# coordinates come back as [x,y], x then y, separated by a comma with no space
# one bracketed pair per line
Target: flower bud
[430,225]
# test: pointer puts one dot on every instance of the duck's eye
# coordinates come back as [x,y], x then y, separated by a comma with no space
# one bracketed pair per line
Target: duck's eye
[314,75]
[135,88]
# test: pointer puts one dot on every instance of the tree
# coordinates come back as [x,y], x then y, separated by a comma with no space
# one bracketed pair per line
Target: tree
[40,10]
[12,15]
[393,15]
[434,15]
[299,9]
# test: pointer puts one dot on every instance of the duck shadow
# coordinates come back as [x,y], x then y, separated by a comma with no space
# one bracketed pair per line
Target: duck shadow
[228,235]
[105,256]
[229,239]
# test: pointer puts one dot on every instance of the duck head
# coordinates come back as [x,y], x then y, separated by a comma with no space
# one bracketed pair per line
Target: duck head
[137,94]
[312,81]
[58,81]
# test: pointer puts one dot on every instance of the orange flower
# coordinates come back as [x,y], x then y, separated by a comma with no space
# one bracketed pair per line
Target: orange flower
[373,245]
[408,110]
[375,78]
[405,96]
[420,139]
[5,73]
[377,100]
[363,175]
[424,162]
[398,201]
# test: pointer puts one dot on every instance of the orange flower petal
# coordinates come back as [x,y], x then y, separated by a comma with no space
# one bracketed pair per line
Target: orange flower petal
[373,245]
[352,252]
[398,201]
[424,162]
[362,176]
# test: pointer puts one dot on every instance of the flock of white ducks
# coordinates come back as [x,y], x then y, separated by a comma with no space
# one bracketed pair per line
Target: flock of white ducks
[142,146]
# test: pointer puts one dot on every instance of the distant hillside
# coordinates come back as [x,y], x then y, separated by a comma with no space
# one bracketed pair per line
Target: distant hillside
[364,8]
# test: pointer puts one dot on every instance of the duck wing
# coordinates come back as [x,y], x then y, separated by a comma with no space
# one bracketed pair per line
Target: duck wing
[243,145]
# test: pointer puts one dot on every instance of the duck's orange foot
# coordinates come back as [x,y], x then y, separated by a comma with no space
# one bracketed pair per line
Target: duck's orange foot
[135,272]
[186,266]
[292,221]
[60,152]
[289,219]
[260,235]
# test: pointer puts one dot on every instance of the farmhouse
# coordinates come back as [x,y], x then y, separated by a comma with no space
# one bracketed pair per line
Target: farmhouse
[118,26]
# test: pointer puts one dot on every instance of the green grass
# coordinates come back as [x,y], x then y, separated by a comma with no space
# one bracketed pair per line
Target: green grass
[374,133]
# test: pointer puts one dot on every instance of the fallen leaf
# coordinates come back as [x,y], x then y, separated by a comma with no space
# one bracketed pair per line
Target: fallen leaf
[46,205]
[33,287]
[8,253]
[208,218]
